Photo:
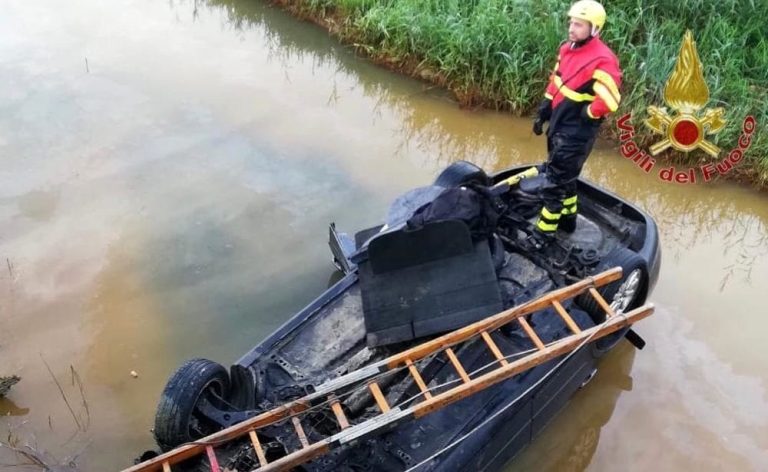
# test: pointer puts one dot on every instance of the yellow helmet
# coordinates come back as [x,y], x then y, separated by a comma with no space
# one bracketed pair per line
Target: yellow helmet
[589,10]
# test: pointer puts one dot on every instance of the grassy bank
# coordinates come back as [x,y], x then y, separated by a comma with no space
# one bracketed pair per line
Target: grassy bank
[498,53]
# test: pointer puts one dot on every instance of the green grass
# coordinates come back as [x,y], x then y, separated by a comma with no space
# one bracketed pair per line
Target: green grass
[499,53]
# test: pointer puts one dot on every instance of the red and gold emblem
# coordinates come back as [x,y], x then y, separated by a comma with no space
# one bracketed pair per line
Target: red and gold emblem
[686,93]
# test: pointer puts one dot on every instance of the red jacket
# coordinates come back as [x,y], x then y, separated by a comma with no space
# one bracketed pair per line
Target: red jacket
[585,76]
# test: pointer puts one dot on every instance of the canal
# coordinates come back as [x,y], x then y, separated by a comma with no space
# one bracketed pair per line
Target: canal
[168,170]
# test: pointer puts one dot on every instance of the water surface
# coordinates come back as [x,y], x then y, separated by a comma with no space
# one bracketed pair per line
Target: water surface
[167,174]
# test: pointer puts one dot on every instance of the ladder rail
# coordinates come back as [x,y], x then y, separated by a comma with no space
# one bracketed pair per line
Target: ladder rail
[553,350]
[486,367]
[496,321]
[395,415]
[488,324]
[327,392]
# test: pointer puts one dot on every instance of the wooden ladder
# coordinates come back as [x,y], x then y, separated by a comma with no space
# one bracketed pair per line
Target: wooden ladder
[328,396]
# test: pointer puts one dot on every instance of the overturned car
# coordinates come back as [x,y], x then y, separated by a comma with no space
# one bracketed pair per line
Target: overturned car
[448,256]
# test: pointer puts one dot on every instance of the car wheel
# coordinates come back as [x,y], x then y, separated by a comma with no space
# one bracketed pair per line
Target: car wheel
[622,295]
[460,173]
[177,420]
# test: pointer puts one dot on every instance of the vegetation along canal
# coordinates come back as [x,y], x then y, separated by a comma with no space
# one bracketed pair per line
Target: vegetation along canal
[167,174]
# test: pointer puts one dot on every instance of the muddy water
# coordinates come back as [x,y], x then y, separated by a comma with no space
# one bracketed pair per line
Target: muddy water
[167,172]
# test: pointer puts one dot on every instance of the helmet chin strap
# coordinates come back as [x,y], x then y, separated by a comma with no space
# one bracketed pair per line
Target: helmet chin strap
[581,42]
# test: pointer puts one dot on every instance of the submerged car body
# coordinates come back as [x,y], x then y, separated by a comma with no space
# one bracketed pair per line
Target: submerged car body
[346,328]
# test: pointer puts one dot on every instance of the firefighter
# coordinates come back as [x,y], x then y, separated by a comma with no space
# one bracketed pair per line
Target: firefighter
[582,90]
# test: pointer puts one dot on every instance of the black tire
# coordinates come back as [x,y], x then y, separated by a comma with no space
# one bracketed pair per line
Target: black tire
[177,420]
[460,173]
[633,284]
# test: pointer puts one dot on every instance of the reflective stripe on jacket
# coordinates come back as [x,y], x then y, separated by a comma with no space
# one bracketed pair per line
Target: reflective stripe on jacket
[585,76]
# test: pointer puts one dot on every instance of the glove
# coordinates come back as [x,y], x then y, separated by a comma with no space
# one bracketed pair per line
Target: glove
[545,110]
[543,115]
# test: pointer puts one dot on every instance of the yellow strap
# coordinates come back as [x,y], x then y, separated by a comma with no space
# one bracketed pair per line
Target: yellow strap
[527,173]
[546,227]
[572,94]
[549,215]
[605,94]
[608,81]
[570,200]
[547,95]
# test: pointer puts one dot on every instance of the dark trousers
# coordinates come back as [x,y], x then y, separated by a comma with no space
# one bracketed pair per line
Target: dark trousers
[567,155]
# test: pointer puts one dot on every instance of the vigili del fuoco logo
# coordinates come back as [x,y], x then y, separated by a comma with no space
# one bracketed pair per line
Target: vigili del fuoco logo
[687,126]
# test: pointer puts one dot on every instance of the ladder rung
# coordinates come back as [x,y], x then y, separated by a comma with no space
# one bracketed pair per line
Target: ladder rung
[379,397]
[339,412]
[493,347]
[457,365]
[214,463]
[531,333]
[505,317]
[257,447]
[300,431]
[564,345]
[410,358]
[417,377]
[566,317]
[601,301]
[294,460]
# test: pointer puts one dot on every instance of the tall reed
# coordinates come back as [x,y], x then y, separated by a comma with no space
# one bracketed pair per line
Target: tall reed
[499,53]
